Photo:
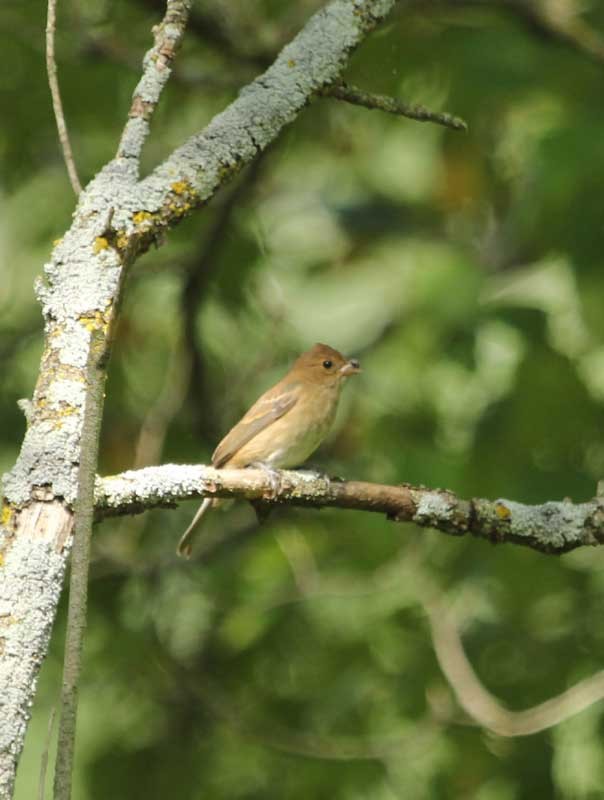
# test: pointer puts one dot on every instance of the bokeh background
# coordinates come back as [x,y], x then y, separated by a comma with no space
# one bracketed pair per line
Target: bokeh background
[465,270]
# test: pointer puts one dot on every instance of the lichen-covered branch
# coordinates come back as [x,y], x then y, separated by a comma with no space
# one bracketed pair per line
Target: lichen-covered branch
[157,68]
[382,102]
[117,219]
[552,527]
[313,59]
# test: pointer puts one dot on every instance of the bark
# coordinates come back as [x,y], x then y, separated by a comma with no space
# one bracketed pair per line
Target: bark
[117,218]
[552,527]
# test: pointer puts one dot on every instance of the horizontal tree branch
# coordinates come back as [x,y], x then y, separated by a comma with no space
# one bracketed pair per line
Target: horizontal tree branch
[383,102]
[552,527]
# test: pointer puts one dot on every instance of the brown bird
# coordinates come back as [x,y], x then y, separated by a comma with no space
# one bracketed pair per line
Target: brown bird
[286,424]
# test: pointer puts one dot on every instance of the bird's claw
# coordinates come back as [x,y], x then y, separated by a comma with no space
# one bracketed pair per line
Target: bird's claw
[274,479]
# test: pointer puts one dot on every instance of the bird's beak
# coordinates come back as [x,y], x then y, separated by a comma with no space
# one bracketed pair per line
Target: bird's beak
[351,367]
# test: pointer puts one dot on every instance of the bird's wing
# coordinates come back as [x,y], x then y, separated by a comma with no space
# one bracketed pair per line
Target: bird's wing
[267,409]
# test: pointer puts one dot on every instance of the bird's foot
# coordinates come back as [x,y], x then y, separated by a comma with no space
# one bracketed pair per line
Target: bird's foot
[274,478]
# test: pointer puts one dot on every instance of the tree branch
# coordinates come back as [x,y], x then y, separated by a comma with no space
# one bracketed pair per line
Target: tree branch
[313,59]
[552,527]
[78,585]
[209,25]
[116,220]
[382,102]
[57,105]
[157,66]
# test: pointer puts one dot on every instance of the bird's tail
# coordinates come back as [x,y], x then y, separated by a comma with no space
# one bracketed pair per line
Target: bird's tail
[186,540]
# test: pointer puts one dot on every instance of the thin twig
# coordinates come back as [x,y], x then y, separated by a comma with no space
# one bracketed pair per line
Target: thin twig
[57,105]
[78,584]
[382,102]
[45,752]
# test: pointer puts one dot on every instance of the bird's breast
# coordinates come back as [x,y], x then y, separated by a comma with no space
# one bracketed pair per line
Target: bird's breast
[291,439]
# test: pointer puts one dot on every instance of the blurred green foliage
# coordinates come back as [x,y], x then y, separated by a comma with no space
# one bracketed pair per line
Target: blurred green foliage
[295,661]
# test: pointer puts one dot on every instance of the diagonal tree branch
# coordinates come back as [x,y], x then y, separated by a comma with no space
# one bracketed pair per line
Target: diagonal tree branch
[313,59]
[116,220]
[553,527]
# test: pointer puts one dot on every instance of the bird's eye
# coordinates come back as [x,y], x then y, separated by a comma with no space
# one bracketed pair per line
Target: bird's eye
[328,364]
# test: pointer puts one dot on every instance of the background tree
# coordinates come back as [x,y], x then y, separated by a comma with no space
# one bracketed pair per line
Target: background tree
[464,270]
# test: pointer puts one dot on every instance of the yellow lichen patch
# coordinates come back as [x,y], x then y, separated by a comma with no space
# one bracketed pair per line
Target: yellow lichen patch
[225,171]
[100,243]
[1,559]
[182,199]
[180,187]
[291,63]
[56,242]
[178,209]
[502,511]
[121,241]
[7,514]
[65,410]
[95,322]
[65,372]
[141,217]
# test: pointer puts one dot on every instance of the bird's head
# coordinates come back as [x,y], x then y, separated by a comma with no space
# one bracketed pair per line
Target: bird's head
[325,366]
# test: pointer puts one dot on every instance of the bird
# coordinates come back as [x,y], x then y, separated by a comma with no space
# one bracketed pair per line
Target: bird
[285,425]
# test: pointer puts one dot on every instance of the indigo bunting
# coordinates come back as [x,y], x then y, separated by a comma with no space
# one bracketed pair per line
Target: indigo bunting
[286,424]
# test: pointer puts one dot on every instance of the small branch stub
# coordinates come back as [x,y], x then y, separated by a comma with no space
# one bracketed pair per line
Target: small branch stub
[382,102]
